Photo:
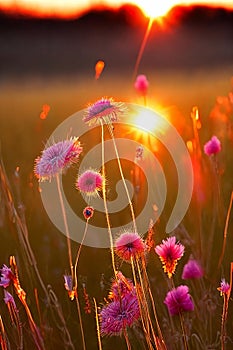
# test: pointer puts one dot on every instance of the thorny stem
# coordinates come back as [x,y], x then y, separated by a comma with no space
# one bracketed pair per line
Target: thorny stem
[65,224]
[97,325]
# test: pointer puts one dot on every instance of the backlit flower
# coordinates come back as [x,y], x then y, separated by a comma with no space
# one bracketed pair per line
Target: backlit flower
[224,287]
[90,182]
[192,270]
[57,158]
[7,276]
[179,300]
[129,245]
[8,298]
[141,84]
[120,287]
[213,146]
[68,283]
[105,109]
[169,253]
[119,314]
[88,212]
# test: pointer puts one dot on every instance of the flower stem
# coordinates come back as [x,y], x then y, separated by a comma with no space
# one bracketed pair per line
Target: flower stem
[183,331]
[97,325]
[65,224]
[105,202]
[76,285]
[123,179]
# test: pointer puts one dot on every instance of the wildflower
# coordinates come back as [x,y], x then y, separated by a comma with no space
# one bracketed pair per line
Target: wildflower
[178,300]
[192,270]
[57,158]
[129,245]
[120,287]
[224,287]
[213,146]
[8,298]
[105,109]
[90,182]
[7,276]
[88,212]
[169,253]
[119,314]
[141,84]
[69,286]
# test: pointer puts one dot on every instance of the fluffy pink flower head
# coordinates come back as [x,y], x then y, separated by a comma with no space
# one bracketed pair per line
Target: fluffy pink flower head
[7,276]
[169,253]
[116,316]
[179,300]
[104,110]
[129,245]
[90,182]
[213,146]
[141,84]
[224,287]
[57,158]
[192,270]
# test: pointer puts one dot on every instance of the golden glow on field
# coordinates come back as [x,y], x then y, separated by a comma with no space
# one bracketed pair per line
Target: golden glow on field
[69,8]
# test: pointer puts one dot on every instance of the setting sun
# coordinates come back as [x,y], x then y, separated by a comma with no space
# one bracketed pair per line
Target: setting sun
[72,8]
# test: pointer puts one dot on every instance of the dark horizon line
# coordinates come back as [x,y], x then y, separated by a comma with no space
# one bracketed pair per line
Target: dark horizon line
[124,12]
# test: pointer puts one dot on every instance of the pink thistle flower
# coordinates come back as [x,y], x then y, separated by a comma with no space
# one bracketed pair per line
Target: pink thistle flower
[129,245]
[7,276]
[88,212]
[224,288]
[57,158]
[120,287]
[119,314]
[179,300]
[169,253]
[141,84]
[192,270]
[90,182]
[106,110]
[213,146]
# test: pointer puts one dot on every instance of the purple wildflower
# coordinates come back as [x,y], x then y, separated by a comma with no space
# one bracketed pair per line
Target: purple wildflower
[141,84]
[57,158]
[129,245]
[192,270]
[178,300]
[8,298]
[90,182]
[7,276]
[169,253]
[119,314]
[105,109]
[213,146]
[224,288]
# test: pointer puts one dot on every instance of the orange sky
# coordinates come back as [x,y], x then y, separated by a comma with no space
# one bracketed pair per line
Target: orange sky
[67,8]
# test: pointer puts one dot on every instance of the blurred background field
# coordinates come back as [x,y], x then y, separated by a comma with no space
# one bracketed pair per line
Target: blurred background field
[188,62]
